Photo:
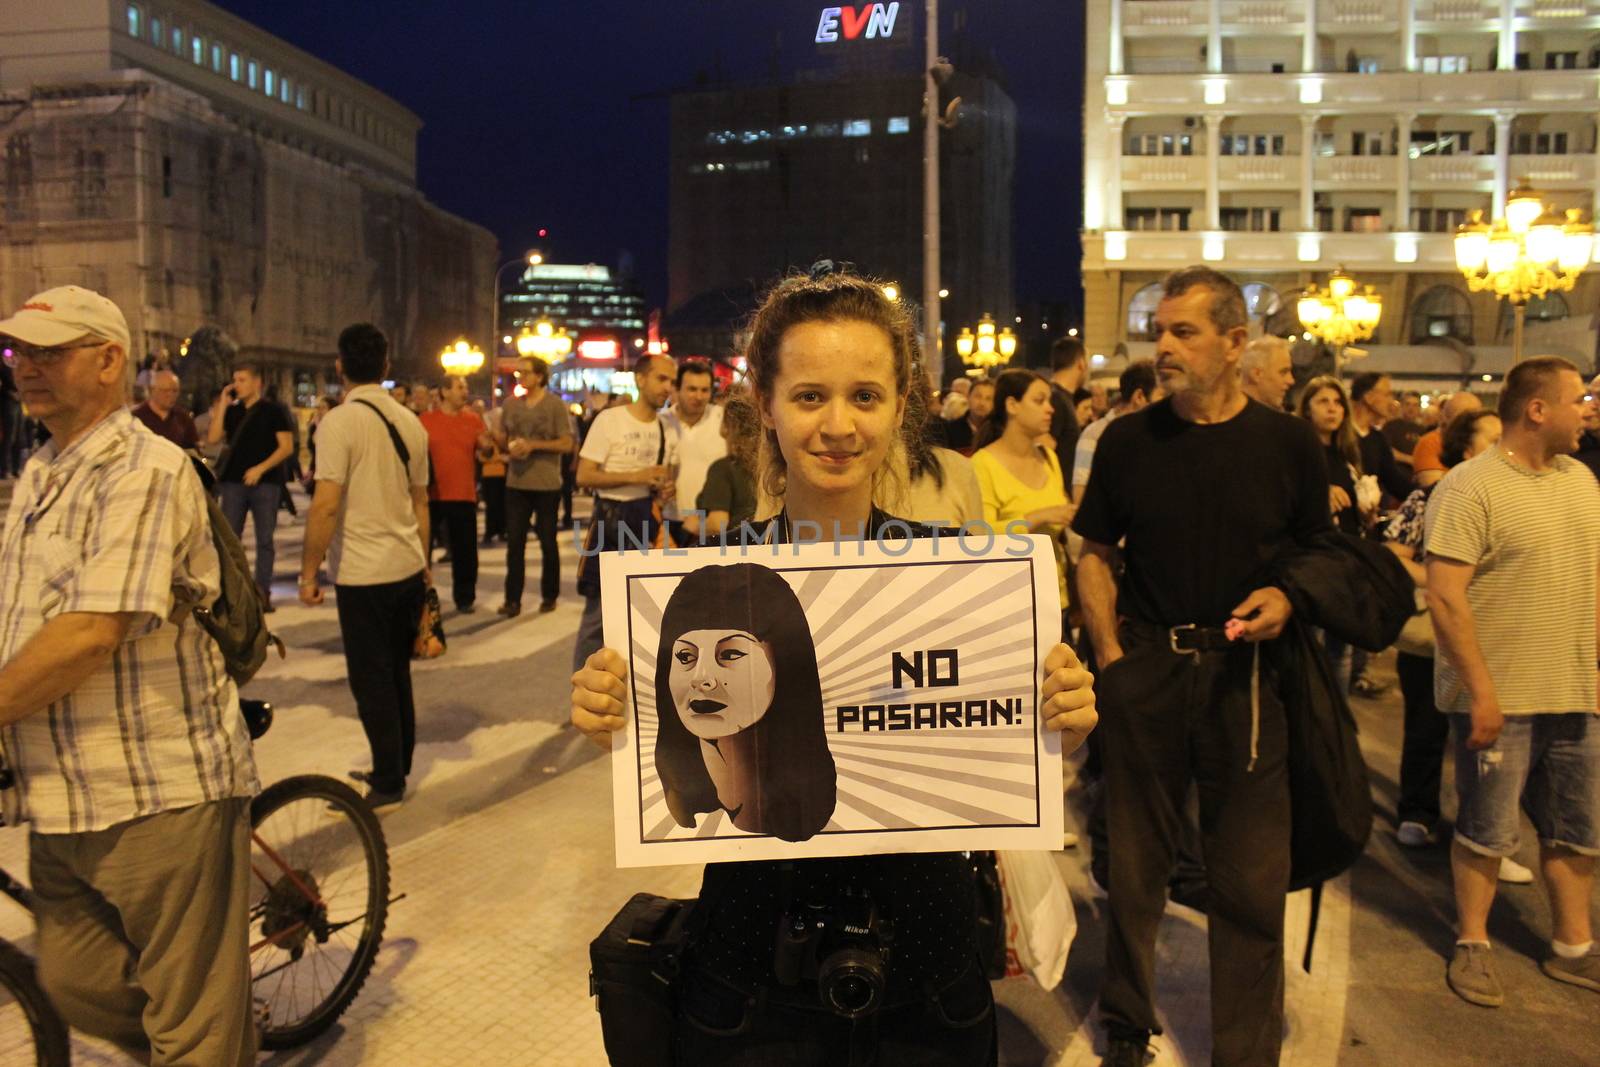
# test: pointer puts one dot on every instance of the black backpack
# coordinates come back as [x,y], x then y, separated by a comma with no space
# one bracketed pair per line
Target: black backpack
[237,620]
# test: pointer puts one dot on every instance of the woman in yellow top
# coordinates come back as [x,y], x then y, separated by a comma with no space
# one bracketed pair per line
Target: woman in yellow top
[1021,480]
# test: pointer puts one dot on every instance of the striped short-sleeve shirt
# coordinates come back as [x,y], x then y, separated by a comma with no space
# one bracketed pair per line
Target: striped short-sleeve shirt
[1533,538]
[117,523]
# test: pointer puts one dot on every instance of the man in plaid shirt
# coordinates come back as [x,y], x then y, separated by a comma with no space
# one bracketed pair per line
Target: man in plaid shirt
[121,731]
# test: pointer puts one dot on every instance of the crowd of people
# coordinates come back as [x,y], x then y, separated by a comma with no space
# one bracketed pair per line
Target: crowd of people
[1212,522]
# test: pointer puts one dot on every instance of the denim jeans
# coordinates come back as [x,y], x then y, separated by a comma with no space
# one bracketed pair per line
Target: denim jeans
[261,502]
[1549,764]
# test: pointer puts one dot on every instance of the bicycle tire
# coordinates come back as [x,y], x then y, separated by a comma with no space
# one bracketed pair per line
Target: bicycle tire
[334,799]
[50,1044]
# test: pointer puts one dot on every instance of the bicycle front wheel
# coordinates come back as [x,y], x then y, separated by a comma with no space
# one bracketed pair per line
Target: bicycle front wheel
[30,1030]
[318,901]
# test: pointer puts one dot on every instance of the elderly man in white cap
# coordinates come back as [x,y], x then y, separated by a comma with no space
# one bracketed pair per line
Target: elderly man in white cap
[125,748]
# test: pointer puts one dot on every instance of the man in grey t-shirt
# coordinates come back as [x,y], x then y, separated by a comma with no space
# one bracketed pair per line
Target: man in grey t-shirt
[536,431]
[1513,540]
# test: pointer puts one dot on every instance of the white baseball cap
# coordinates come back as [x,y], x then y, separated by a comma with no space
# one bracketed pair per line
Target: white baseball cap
[66,313]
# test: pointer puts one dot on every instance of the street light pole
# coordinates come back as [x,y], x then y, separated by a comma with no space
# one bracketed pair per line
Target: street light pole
[527,259]
[933,358]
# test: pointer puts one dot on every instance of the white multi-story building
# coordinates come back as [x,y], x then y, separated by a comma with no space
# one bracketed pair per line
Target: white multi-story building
[202,172]
[1279,139]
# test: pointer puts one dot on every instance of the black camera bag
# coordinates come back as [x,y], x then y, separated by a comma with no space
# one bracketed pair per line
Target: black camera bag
[633,971]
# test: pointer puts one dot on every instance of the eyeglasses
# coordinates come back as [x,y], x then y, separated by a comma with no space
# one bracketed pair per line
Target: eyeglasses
[16,351]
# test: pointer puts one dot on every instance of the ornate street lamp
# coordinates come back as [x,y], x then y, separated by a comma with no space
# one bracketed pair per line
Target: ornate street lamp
[461,359]
[1338,315]
[984,348]
[544,341]
[1529,252]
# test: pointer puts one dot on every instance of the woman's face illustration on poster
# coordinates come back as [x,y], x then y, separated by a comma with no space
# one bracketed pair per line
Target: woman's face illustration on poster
[721,681]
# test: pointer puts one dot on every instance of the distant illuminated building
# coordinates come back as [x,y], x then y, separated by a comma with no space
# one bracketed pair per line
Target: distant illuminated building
[605,315]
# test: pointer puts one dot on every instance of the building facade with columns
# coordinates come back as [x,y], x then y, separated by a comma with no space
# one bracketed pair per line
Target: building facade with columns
[1280,139]
[204,173]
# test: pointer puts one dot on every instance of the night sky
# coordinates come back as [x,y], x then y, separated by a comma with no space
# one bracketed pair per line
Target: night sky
[550,113]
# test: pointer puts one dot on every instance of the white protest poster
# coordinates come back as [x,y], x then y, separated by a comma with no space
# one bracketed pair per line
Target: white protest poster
[834,699]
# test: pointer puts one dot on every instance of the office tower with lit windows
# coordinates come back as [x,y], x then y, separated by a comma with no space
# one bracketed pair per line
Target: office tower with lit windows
[1277,141]
[770,178]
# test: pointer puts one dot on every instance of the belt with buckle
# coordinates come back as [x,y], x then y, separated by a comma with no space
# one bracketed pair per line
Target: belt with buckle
[1194,638]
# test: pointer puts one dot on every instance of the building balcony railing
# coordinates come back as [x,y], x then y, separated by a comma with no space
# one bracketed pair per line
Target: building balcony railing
[1164,250]
[1564,90]
[1163,172]
[1451,171]
[1558,9]
[1153,17]
[1457,10]
[1354,14]
[1262,14]
[1258,171]
[1548,172]
[1357,171]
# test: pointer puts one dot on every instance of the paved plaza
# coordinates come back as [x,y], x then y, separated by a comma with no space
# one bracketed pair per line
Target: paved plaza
[503,851]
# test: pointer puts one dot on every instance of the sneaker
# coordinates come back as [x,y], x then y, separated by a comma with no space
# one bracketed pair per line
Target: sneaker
[466,609]
[1583,971]
[1472,975]
[1413,834]
[510,609]
[361,776]
[1514,873]
[380,801]
[1125,1052]
[546,606]
[1069,840]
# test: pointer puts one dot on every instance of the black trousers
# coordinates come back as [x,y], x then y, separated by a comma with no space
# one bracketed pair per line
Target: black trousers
[1169,719]
[459,520]
[1427,733]
[494,508]
[541,505]
[379,627]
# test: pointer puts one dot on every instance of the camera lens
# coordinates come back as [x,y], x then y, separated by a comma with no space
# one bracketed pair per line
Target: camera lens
[851,982]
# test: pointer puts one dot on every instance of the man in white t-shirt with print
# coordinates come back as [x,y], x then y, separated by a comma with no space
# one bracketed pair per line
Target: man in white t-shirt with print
[697,422]
[627,460]
[1513,543]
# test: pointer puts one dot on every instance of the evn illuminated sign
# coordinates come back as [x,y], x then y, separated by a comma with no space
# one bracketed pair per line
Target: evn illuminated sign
[875,20]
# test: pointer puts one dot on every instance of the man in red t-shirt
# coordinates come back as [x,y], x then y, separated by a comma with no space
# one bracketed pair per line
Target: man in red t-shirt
[456,434]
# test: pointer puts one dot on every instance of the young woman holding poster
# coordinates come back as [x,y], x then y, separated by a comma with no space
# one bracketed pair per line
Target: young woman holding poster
[831,361]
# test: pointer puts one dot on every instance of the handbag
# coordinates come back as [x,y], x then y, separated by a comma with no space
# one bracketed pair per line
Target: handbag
[1416,637]
[430,642]
[633,974]
[1040,922]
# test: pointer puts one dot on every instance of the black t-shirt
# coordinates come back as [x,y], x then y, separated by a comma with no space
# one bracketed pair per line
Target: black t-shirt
[1588,452]
[1202,508]
[957,434]
[258,441]
[1064,425]
[1377,457]
[929,896]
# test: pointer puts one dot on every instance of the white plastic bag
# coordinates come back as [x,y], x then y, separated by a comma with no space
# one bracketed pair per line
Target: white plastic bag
[1040,922]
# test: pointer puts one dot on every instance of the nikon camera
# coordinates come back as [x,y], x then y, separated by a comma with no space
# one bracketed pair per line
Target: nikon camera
[843,946]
